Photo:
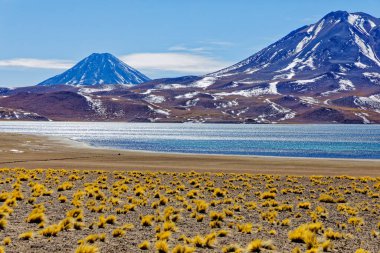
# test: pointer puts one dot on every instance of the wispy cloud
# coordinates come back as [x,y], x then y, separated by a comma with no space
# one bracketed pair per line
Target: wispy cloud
[36,63]
[189,49]
[157,63]
[218,43]
[203,47]
[184,63]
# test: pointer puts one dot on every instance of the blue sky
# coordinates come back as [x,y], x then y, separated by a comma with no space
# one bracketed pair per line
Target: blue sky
[161,38]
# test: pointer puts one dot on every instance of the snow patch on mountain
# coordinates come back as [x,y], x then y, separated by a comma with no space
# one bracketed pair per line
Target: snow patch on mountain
[366,50]
[171,86]
[18,114]
[372,76]
[251,70]
[226,104]
[187,95]
[305,41]
[85,89]
[192,102]
[309,100]
[297,63]
[344,85]
[95,104]
[289,114]
[307,81]
[360,65]
[358,22]
[159,110]
[274,112]
[154,99]
[204,82]
[270,90]
[372,102]
[364,116]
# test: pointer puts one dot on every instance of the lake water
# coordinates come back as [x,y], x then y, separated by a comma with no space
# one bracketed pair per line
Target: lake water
[327,141]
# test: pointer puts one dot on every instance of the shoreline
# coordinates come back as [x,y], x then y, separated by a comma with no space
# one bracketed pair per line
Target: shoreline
[75,144]
[41,151]
[233,155]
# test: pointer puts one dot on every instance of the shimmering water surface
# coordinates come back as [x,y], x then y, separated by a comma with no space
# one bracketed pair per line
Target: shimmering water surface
[327,141]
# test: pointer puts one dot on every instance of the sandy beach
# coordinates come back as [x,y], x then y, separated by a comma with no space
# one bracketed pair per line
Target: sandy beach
[29,151]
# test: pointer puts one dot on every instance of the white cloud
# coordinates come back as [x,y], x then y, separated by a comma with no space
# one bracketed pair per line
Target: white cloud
[174,62]
[188,49]
[206,47]
[219,43]
[157,64]
[36,63]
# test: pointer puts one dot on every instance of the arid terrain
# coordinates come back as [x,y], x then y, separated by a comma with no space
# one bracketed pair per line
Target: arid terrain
[135,211]
[99,200]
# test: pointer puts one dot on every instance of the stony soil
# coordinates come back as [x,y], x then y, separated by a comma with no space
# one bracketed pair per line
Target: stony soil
[236,208]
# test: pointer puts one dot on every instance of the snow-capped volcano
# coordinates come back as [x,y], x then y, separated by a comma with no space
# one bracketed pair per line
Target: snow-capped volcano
[98,69]
[327,72]
[340,48]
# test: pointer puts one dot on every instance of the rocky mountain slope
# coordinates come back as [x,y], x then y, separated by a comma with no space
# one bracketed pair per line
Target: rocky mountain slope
[327,72]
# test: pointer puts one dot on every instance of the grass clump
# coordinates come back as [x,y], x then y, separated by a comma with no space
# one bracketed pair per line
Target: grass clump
[7,240]
[26,236]
[327,246]
[326,198]
[361,251]
[222,233]
[245,228]
[330,234]
[232,248]
[201,206]
[162,247]
[94,238]
[304,205]
[355,221]
[204,242]
[219,193]
[306,233]
[163,236]
[147,220]
[258,245]
[86,248]
[118,232]
[268,195]
[145,245]
[51,230]
[37,215]
[3,223]
[65,186]
[215,216]
[183,249]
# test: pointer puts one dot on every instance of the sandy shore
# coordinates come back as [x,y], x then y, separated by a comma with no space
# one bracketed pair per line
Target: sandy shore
[43,152]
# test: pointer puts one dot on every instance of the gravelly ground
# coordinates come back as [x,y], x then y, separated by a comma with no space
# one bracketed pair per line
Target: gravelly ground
[238,198]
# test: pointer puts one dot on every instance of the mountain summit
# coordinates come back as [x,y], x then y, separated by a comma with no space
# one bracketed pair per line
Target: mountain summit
[98,69]
[326,72]
[331,55]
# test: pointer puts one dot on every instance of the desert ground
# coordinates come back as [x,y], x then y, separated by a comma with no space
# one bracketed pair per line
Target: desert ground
[61,196]
[83,211]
